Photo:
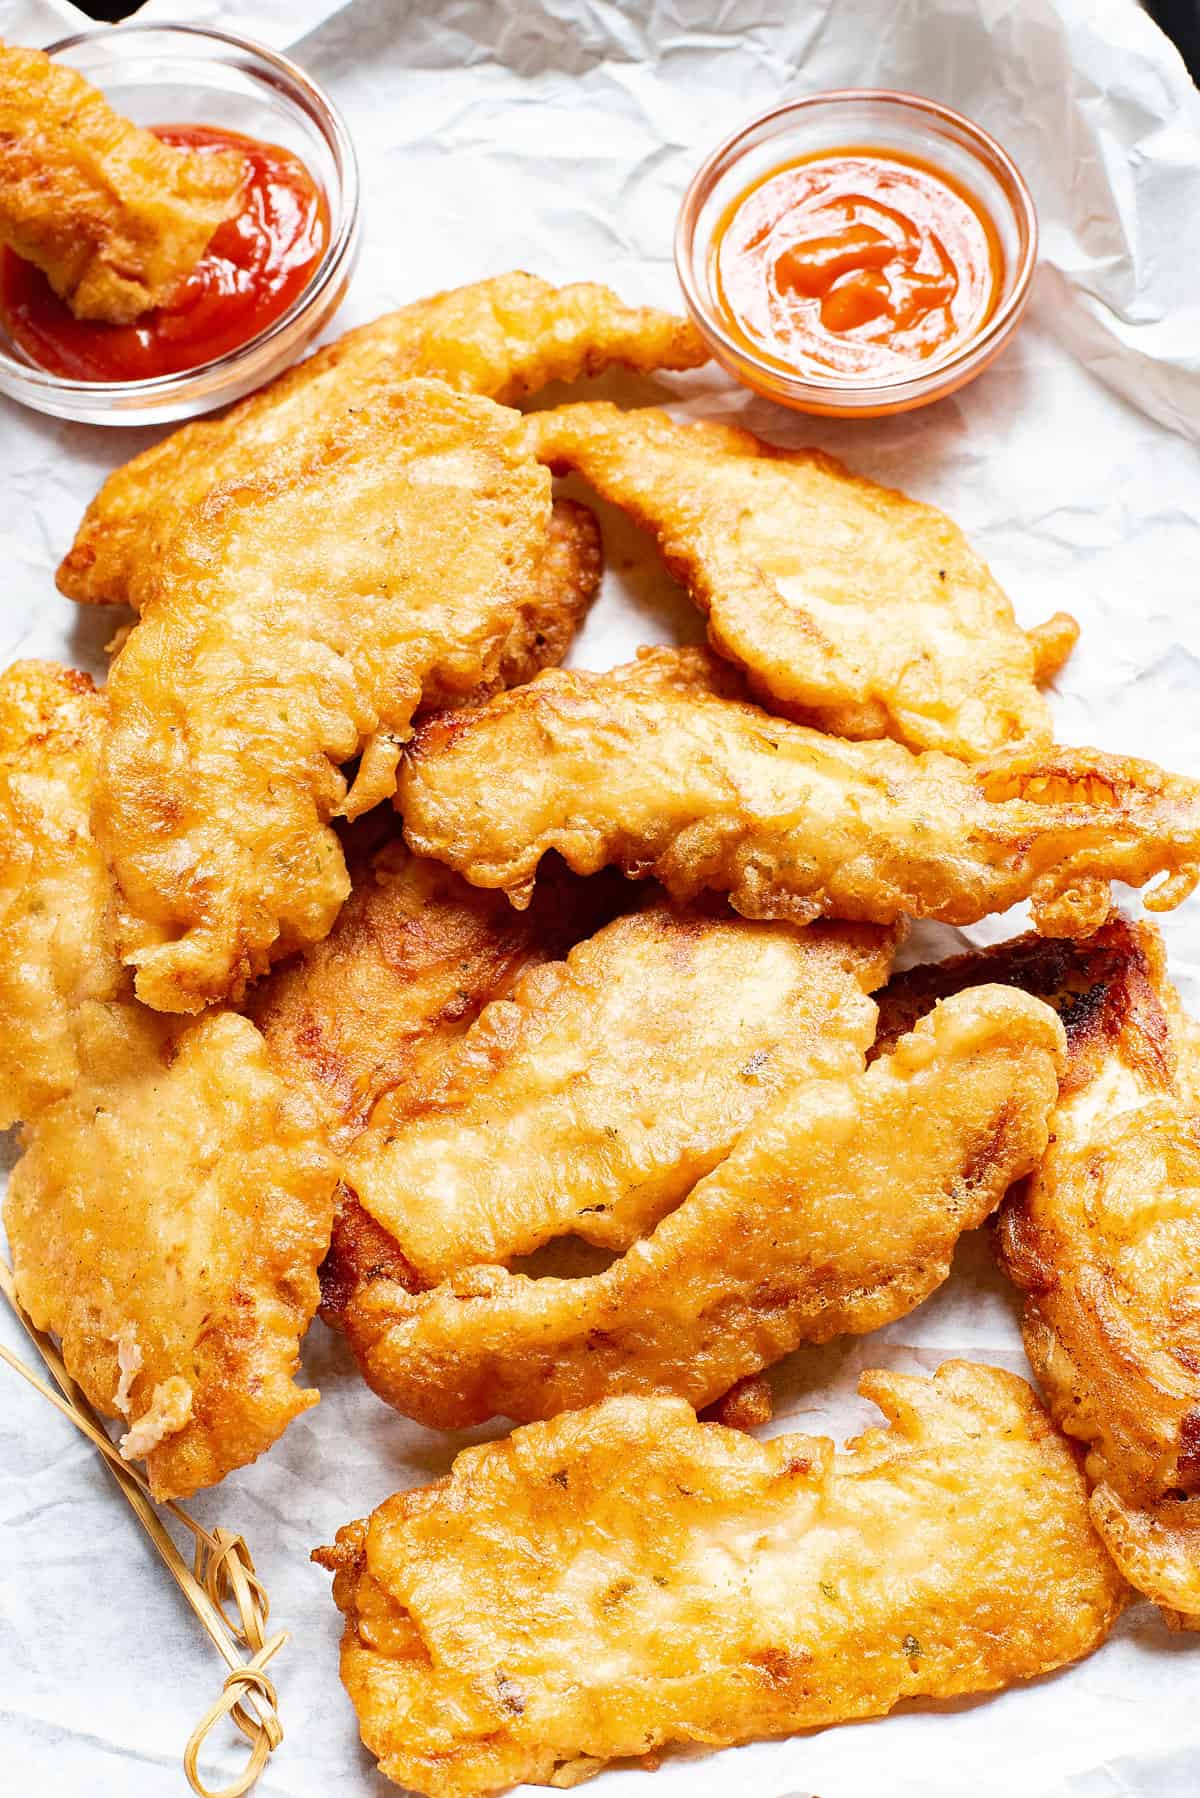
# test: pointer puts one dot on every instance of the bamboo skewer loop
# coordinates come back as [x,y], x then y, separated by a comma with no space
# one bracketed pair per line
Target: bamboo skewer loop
[224,1568]
[264,1737]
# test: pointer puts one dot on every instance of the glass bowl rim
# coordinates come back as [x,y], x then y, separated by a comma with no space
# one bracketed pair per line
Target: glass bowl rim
[838,395]
[344,207]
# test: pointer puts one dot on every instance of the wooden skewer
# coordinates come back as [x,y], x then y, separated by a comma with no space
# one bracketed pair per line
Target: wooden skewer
[223,1572]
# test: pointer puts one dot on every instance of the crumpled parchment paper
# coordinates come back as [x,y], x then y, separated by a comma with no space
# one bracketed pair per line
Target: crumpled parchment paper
[557,135]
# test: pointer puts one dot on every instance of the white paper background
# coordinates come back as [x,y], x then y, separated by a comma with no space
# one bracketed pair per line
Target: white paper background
[557,135]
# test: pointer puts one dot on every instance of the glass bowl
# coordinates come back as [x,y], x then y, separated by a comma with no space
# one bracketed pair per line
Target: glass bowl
[179,74]
[880,119]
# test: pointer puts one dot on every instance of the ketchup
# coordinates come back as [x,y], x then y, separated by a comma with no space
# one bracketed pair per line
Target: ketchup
[255,265]
[858,263]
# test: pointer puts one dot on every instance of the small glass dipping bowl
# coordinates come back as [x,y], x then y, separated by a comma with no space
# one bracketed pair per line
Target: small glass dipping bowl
[884,120]
[181,75]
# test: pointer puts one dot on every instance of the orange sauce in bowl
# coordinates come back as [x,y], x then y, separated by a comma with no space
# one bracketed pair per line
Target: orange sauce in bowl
[856,264]
[257,263]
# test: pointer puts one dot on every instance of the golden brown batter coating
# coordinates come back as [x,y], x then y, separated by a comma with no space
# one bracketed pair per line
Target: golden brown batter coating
[112,216]
[624,1577]
[278,645]
[701,792]
[564,586]
[56,952]
[848,605]
[167,1220]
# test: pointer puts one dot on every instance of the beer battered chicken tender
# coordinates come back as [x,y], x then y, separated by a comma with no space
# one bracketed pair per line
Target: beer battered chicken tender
[837,1210]
[113,217]
[625,1577]
[850,605]
[378,1007]
[281,643]
[501,338]
[1104,1239]
[591,1099]
[167,1220]
[700,791]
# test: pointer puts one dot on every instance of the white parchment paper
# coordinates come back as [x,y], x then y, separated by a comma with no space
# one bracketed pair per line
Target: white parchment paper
[557,135]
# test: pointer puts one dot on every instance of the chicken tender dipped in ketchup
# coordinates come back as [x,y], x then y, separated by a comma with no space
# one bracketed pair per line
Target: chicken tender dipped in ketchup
[128,253]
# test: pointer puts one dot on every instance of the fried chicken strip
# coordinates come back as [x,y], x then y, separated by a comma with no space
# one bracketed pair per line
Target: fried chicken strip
[859,610]
[174,1197]
[1104,1239]
[624,1577]
[501,338]
[702,792]
[593,1098]
[837,1211]
[277,646]
[113,217]
[55,950]
[167,1220]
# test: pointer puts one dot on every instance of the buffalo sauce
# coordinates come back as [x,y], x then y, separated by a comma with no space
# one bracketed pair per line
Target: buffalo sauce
[856,264]
[257,262]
